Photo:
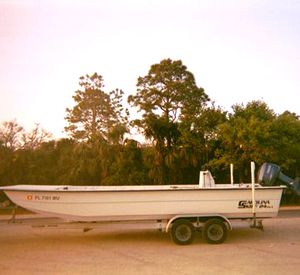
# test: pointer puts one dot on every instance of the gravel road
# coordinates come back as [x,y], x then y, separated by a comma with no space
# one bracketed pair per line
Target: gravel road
[26,250]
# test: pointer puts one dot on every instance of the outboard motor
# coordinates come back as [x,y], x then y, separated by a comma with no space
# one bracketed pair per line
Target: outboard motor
[270,174]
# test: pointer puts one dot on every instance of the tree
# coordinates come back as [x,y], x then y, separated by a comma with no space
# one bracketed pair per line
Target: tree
[285,140]
[95,112]
[6,165]
[120,119]
[35,137]
[10,133]
[165,96]
[245,137]
[127,167]
[199,140]
[168,90]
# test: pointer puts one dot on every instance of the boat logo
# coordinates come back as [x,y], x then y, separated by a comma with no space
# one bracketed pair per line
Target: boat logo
[258,204]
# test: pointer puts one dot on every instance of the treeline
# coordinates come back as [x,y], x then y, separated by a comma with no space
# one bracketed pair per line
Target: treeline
[184,132]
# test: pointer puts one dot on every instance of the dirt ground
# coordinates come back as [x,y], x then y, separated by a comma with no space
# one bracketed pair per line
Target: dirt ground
[27,250]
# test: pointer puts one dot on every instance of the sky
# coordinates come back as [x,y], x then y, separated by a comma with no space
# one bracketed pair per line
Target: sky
[237,50]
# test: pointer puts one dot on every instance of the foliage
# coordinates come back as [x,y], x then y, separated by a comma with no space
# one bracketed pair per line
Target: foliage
[10,132]
[254,132]
[14,136]
[96,114]
[285,140]
[167,95]
[188,133]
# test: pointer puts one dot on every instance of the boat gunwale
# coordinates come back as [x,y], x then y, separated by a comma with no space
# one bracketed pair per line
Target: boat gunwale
[114,189]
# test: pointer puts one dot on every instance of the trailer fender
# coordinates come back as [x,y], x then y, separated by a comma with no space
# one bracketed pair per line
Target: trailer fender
[172,220]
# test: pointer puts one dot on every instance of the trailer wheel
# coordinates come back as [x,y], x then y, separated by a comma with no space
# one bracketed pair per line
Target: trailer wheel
[183,232]
[214,231]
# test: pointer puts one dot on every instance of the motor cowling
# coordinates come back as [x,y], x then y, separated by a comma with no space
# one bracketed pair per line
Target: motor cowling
[270,174]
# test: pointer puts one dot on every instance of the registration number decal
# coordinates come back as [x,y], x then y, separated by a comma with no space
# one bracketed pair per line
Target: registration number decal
[42,198]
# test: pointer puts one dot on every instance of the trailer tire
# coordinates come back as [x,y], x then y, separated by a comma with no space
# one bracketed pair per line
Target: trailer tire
[183,232]
[214,231]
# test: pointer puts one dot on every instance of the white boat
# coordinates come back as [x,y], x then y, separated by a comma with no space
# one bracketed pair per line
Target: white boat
[178,209]
[119,203]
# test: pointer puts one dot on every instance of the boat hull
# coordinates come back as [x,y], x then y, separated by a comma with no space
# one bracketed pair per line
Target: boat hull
[140,203]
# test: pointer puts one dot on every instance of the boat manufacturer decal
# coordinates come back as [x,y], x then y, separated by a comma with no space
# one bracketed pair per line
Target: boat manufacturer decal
[258,204]
[43,198]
